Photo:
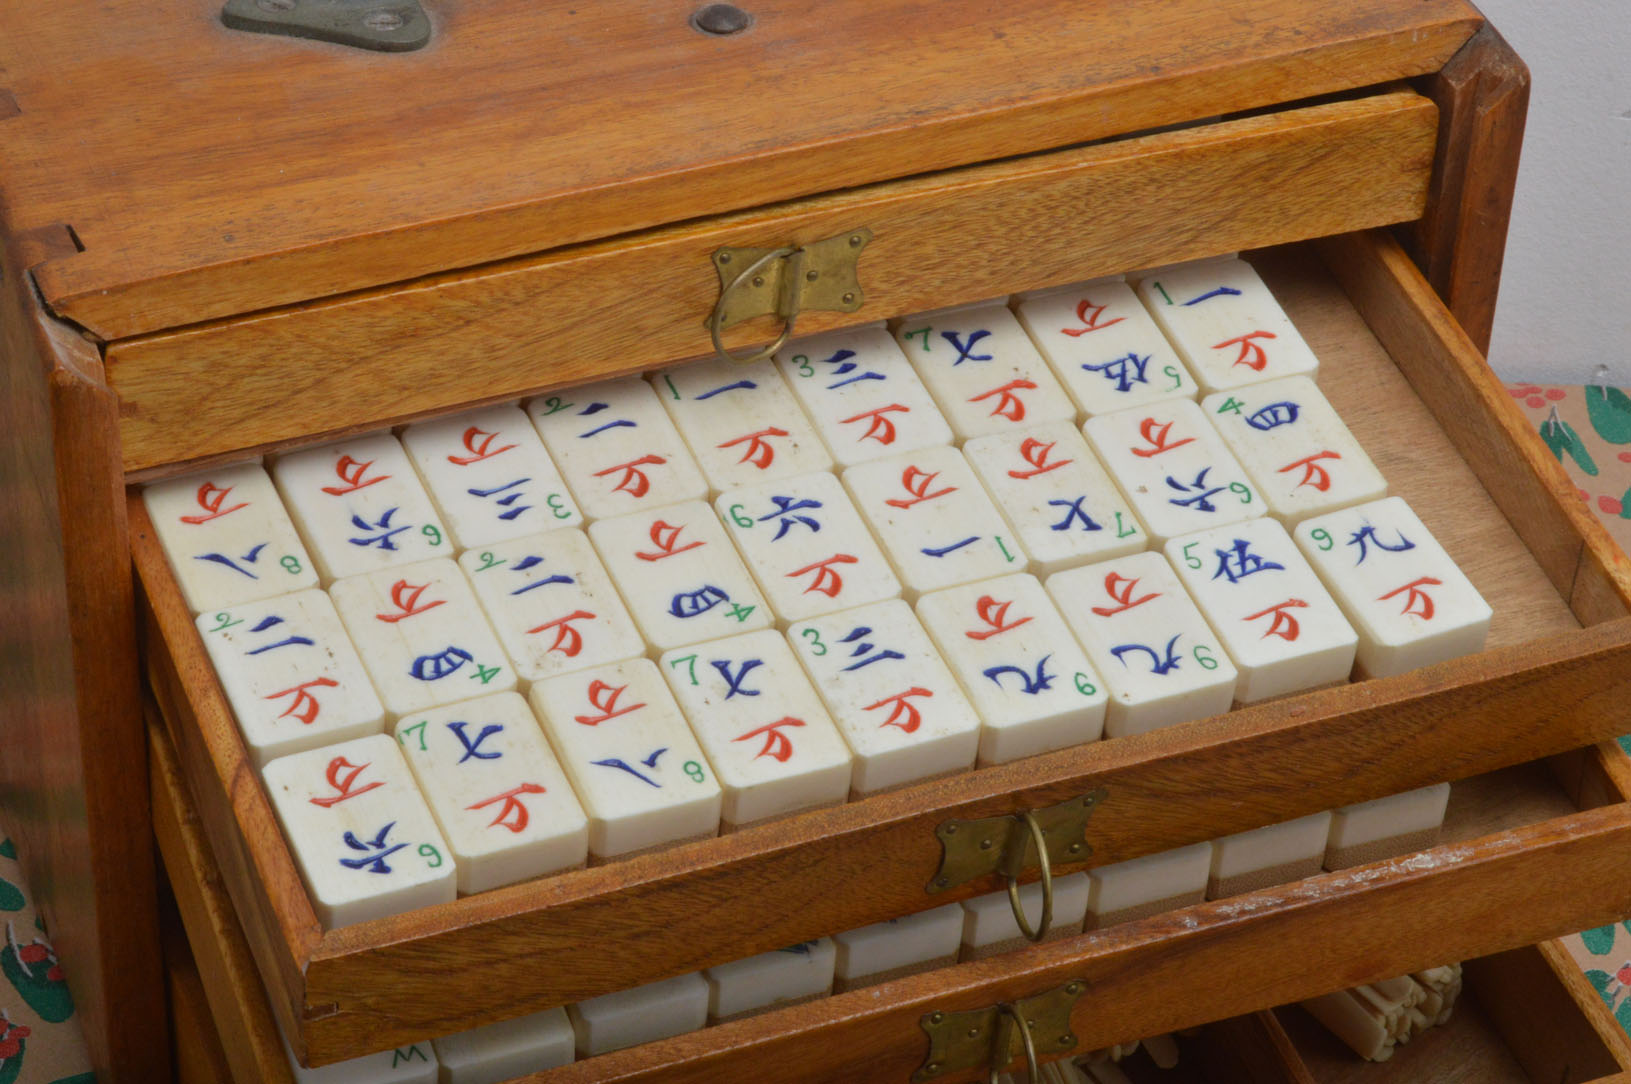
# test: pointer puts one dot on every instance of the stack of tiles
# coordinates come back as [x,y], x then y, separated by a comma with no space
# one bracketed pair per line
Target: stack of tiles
[897,947]
[505,1050]
[415,1063]
[1272,855]
[630,1017]
[1146,886]
[1375,1018]
[770,980]
[990,928]
[1386,827]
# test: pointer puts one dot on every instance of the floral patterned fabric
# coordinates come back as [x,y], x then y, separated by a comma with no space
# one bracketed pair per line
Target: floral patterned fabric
[40,1042]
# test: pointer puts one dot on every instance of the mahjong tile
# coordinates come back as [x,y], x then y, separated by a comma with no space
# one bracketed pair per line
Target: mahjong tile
[1160,660]
[633,761]
[682,579]
[1104,347]
[228,537]
[1301,457]
[1273,855]
[865,399]
[364,838]
[1055,497]
[1226,324]
[415,1063]
[291,675]
[806,545]
[496,790]
[360,506]
[1146,886]
[933,519]
[1278,623]
[899,708]
[1386,827]
[897,946]
[740,422]
[508,1049]
[1409,601]
[982,369]
[1173,466]
[641,1015]
[489,475]
[422,636]
[770,980]
[1019,664]
[616,447]
[552,603]
[772,744]
[990,928]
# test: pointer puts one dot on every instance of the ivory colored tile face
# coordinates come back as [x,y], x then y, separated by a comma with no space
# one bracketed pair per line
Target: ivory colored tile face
[412,1064]
[1268,856]
[1226,324]
[989,926]
[641,1015]
[359,506]
[1278,623]
[1171,463]
[865,399]
[796,973]
[899,708]
[1032,685]
[489,475]
[1385,827]
[422,636]
[740,421]
[364,839]
[1104,347]
[552,604]
[682,579]
[884,949]
[1160,660]
[807,545]
[616,447]
[771,742]
[1297,451]
[507,1049]
[933,519]
[633,762]
[1145,886]
[496,791]
[1055,497]
[982,370]
[1410,603]
[291,675]
[227,537]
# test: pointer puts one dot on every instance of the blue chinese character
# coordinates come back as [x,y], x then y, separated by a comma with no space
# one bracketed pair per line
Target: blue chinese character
[473,748]
[965,350]
[596,408]
[1202,501]
[740,385]
[373,862]
[1124,371]
[1158,664]
[530,562]
[383,539]
[1221,291]
[786,515]
[858,637]
[1367,533]
[1029,685]
[271,622]
[507,502]
[930,551]
[1075,513]
[1273,416]
[687,604]
[1238,561]
[734,683]
[222,559]
[842,366]
[438,666]
[623,765]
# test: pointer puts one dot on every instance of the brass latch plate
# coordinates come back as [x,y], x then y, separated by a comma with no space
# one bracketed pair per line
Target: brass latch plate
[387,26]
[979,848]
[960,1041]
[827,279]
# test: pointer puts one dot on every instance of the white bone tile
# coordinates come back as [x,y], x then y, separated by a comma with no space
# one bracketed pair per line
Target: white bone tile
[1104,347]
[644,1014]
[766,981]
[1385,827]
[1277,621]
[364,839]
[490,476]
[510,1048]
[1026,675]
[897,705]
[982,369]
[291,675]
[1171,463]
[1226,324]
[1266,856]
[770,740]
[1149,885]
[933,519]
[807,545]
[359,506]
[862,394]
[228,537]
[501,800]
[682,579]
[1300,456]
[1409,601]
[552,603]
[1160,660]
[422,636]
[412,1064]
[634,763]
[1055,497]
[989,926]
[897,946]
[616,447]
[740,422]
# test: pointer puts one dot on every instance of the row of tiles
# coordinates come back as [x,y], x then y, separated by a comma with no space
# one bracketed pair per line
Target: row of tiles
[974,929]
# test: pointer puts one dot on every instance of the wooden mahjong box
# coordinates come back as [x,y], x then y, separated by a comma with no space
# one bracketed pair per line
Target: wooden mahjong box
[237,232]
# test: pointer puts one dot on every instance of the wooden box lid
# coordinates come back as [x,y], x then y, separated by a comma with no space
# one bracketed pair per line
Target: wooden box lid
[206,172]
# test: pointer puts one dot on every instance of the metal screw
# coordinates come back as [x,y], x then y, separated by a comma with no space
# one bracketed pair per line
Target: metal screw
[1067,1039]
[276,5]
[936,1017]
[1073,989]
[849,299]
[985,844]
[1074,847]
[932,1068]
[973,1033]
[942,882]
[855,241]
[758,280]
[811,276]
[724,257]
[721,19]
[383,20]
[950,829]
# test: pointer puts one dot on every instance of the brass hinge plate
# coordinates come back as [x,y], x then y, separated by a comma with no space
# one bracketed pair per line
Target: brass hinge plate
[959,1041]
[979,848]
[829,279]
[387,26]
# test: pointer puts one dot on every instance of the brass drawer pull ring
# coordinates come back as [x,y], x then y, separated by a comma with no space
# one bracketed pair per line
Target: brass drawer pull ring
[1018,863]
[785,281]
[787,309]
[1009,1019]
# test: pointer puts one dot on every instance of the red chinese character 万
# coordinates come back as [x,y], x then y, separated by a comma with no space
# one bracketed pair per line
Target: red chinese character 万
[903,714]
[405,597]
[603,698]
[354,473]
[1008,405]
[777,746]
[759,451]
[1159,439]
[479,443]
[827,581]
[1121,588]
[568,640]
[304,706]
[880,427]
[1417,601]
[210,498]
[1251,354]
[1281,621]
[1037,453]
[342,776]
[995,616]
[512,814]
[1313,474]
[916,481]
[633,480]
